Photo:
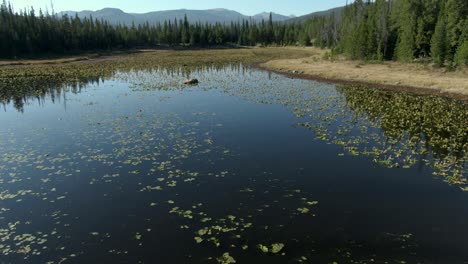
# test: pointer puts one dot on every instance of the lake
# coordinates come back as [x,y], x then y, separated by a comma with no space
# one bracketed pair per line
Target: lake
[246,167]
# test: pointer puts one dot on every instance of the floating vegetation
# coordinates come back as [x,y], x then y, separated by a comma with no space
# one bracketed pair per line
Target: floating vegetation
[20,84]
[397,130]
[226,259]
[303,210]
[263,248]
[415,129]
[127,169]
[274,248]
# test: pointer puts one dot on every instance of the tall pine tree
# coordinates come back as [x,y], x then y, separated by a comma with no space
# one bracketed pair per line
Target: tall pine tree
[439,41]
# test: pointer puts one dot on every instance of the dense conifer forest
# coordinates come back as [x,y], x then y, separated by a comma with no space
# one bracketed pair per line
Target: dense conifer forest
[404,30]
[28,33]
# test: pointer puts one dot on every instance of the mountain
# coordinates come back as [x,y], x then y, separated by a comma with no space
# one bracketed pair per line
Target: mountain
[112,15]
[276,17]
[338,11]
[117,16]
[209,16]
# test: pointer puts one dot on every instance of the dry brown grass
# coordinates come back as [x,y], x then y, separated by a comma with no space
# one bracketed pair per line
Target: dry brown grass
[387,73]
[247,55]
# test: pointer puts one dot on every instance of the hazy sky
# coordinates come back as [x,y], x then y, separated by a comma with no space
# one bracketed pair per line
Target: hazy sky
[247,7]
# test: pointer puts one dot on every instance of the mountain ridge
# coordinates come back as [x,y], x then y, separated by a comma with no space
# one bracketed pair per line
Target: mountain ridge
[336,10]
[222,15]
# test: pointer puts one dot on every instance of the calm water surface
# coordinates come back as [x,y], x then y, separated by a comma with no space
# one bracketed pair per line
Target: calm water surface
[248,166]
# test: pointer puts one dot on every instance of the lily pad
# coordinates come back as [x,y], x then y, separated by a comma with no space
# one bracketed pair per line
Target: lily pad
[276,248]
[263,248]
[226,259]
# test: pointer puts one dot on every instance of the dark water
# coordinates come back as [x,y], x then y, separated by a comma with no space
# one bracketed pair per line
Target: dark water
[140,169]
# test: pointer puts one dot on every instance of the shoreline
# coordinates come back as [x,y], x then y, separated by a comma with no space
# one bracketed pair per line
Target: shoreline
[306,63]
[54,59]
[386,87]
[415,78]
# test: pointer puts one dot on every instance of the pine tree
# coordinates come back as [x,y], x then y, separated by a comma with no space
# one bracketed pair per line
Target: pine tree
[185,35]
[457,13]
[405,48]
[427,14]
[304,39]
[461,56]
[439,41]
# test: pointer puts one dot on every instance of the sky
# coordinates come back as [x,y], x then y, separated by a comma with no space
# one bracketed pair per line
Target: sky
[246,7]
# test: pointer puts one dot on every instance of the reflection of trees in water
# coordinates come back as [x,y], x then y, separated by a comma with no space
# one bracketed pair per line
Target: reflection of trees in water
[20,90]
[431,130]
[439,121]
[423,124]
[187,72]
[41,90]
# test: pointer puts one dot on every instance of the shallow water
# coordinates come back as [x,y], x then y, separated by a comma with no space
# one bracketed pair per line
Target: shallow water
[138,168]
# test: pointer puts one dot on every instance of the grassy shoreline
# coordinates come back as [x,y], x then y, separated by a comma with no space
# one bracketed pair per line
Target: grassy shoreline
[393,76]
[308,63]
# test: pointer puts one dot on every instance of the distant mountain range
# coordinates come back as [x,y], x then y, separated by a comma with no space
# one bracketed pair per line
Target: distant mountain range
[116,16]
[338,12]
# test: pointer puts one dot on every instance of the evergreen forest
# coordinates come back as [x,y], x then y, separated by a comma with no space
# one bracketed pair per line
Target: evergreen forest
[403,30]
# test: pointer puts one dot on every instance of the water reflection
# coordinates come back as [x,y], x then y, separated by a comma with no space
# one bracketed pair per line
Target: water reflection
[43,91]
[20,91]
[396,129]
[429,127]
[186,174]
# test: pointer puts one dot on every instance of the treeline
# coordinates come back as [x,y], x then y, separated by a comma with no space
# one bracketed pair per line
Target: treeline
[403,30]
[26,33]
